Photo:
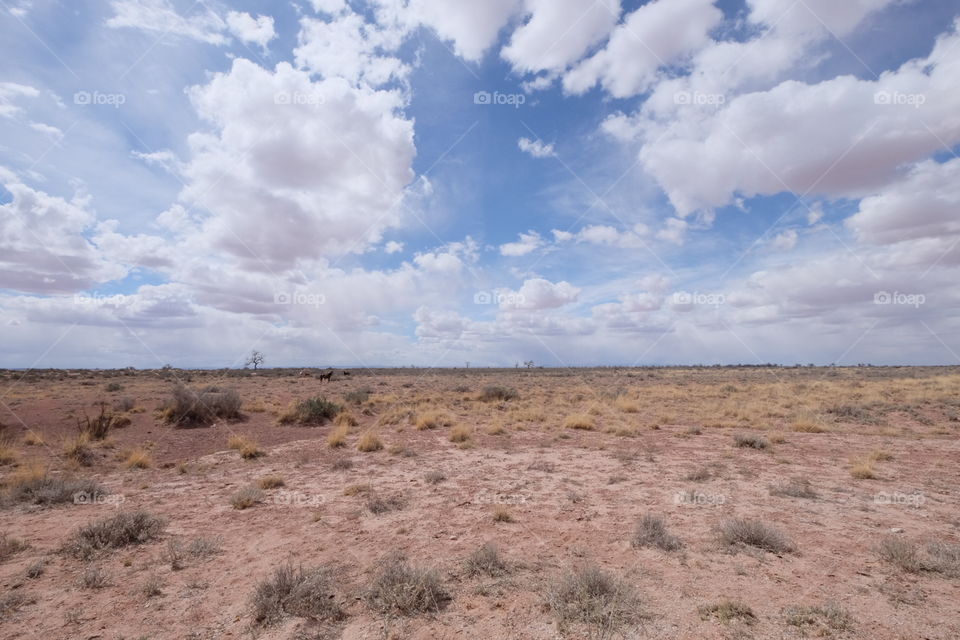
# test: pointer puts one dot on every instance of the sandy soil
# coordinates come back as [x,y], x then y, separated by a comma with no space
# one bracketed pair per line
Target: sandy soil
[575,497]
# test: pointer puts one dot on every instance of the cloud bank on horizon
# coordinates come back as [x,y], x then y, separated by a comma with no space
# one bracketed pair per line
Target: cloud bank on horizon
[430,182]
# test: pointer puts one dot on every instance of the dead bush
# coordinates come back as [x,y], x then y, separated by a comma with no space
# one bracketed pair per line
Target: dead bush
[400,588]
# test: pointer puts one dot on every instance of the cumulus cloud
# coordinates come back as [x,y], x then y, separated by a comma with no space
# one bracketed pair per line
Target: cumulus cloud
[350,48]
[528,243]
[471,26]
[538,294]
[296,169]
[161,17]
[557,33]
[655,35]
[536,148]
[257,30]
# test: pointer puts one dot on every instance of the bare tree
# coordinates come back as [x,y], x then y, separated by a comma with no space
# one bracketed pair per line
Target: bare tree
[255,359]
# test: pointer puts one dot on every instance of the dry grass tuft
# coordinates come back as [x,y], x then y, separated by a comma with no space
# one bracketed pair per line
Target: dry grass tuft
[794,488]
[271,482]
[78,450]
[590,595]
[863,470]
[138,459]
[310,412]
[728,611]
[368,442]
[502,514]
[935,557]
[247,497]
[754,533]
[580,421]
[494,393]
[295,591]
[190,408]
[750,441]
[345,419]
[122,530]
[35,485]
[338,437]
[486,561]
[433,420]
[820,619]
[246,446]
[460,433]
[34,439]
[400,588]
[652,532]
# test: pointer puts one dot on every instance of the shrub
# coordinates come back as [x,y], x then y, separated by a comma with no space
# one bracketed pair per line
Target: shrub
[35,485]
[198,408]
[369,441]
[580,421]
[935,557]
[378,504]
[502,514]
[701,474]
[754,533]
[794,488]
[728,611]
[121,530]
[308,593]
[247,497]
[493,392]
[827,617]
[99,428]
[9,546]
[338,437]
[357,397]
[400,588]
[271,482]
[652,532]
[486,561]
[247,447]
[36,569]
[33,438]
[138,459]
[94,577]
[78,449]
[435,477]
[342,464]
[433,419]
[750,441]
[626,404]
[345,419]
[460,433]
[593,596]
[114,386]
[311,412]
[863,470]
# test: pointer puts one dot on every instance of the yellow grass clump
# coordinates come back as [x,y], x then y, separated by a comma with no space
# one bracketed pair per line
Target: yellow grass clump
[247,447]
[580,421]
[33,438]
[627,405]
[460,433]
[863,470]
[138,459]
[433,419]
[271,482]
[368,442]
[345,419]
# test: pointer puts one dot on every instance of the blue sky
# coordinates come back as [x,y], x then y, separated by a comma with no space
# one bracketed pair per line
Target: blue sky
[660,183]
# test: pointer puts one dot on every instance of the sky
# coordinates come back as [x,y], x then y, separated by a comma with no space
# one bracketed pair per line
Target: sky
[440,182]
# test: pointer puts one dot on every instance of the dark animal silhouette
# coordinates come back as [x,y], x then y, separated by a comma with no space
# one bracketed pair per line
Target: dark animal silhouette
[346,373]
[326,376]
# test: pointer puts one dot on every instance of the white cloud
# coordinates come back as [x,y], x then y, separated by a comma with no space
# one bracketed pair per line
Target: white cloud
[538,294]
[558,32]
[842,137]
[536,148]
[295,169]
[350,48]
[528,242]
[393,247]
[257,30]
[605,235]
[785,241]
[472,26]
[655,35]
[924,204]
[9,91]
[161,17]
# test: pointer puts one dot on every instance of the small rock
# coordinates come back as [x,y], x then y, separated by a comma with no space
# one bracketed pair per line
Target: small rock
[896,530]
